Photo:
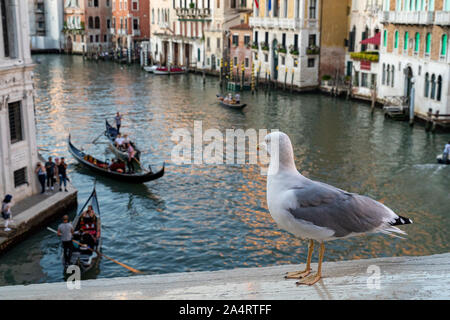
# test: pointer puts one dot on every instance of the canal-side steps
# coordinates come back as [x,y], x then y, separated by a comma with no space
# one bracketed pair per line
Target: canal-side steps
[35,212]
[420,277]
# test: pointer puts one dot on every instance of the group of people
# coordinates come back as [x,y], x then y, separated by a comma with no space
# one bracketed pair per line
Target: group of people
[88,231]
[52,172]
[124,144]
[230,100]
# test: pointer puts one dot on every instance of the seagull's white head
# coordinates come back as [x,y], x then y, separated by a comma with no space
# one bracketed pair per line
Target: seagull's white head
[279,147]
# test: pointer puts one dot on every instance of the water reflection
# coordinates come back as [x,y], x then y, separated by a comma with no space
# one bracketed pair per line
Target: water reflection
[210,217]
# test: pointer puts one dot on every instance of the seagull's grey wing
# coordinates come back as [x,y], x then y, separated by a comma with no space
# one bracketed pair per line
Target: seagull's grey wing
[344,213]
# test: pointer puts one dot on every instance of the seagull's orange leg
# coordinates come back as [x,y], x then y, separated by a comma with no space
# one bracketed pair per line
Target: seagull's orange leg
[316,277]
[304,273]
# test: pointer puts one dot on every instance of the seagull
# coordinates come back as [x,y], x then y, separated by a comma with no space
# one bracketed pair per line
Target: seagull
[314,210]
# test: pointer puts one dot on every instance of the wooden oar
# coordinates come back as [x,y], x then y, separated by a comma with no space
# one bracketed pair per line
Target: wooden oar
[102,254]
[97,137]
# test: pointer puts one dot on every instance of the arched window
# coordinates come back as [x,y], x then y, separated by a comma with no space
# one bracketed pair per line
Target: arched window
[427,85]
[383,77]
[405,41]
[396,40]
[97,22]
[428,44]
[439,89]
[91,23]
[444,42]
[433,86]
[417,43]
[392,75]
[388,74]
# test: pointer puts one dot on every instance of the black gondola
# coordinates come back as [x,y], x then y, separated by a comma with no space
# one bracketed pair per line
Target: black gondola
[86,256]
[440,160]
[230,105]
[111,134]
[140,177]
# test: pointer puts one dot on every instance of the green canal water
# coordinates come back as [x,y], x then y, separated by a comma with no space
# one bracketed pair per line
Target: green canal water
[208,217]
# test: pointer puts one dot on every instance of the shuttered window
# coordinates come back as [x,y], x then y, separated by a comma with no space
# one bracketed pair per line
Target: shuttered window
[15,121]
[20,177]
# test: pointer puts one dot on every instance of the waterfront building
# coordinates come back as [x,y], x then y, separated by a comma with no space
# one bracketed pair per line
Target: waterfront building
[74,26]
[162,19]
[363,44]
[241,53]
[286,37]
[130,24]
[414,60]
[97,25]
[46,22]
[334,17]
[18,151]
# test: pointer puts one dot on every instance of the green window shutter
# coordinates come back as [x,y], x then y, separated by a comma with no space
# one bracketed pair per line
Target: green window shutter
[396,40]
[385,38]
[417,44]
[428,46]
[444,44]
[405,46]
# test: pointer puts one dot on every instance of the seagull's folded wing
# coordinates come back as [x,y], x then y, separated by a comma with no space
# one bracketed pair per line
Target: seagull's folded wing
[344,213]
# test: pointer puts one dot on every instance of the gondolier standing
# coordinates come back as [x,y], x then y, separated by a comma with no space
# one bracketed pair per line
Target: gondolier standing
[65,231]
[131,154]
[118,119]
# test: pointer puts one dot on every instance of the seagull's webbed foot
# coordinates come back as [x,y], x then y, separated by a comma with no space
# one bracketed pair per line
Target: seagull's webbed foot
[310,280]
[297,274]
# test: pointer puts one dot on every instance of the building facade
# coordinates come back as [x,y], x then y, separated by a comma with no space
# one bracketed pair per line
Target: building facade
[46,23]
[98,14]
[241,53]
[18,151]
[414,60]
[74,26]
[362,60]
[286,37]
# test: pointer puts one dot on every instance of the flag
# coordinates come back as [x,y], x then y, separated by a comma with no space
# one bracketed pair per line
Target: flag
[257,4]
[270,5]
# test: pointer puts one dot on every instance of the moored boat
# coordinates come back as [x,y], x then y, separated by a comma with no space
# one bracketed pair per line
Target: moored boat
[150,69]
[440,160]
[166,71]
[87,236]
[100,167]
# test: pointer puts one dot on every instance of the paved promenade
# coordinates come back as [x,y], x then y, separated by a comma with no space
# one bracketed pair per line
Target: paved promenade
[426,277]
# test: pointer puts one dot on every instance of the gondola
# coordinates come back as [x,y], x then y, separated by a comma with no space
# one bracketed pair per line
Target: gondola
[111,134]
[165,70]
[86,256]
[439,160]
[100,167]
[230,105]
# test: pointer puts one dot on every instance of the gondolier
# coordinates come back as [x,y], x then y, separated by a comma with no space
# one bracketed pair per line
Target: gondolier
[65,231]
[118,119]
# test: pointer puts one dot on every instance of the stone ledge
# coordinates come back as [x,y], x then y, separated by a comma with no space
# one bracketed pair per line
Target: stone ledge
[423,277]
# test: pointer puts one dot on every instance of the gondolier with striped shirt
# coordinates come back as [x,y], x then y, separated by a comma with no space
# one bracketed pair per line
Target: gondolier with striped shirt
[118,119]
[65,231]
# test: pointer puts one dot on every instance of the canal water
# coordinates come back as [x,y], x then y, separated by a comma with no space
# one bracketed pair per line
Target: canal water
[207,217]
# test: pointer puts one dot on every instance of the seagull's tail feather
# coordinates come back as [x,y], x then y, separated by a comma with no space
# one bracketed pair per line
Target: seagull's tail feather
[392,231]
[400,221]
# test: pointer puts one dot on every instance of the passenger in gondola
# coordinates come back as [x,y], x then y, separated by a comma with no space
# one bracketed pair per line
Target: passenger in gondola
[237,97]
[117,166]
[131,155]
[88,223]
[119,141]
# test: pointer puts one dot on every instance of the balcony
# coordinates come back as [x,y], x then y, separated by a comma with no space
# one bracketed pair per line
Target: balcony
[275,23]
[112,30]
[192,13]
[442,18]
[312,50]
[136,33]
[407,17]
[372,56]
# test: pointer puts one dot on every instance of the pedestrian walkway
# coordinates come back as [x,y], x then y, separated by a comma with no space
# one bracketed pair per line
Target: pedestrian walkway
[33,212]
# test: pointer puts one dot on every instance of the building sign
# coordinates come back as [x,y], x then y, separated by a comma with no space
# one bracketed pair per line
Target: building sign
[365,65]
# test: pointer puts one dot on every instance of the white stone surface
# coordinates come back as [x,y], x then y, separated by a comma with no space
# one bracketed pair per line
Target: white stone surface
[424,277]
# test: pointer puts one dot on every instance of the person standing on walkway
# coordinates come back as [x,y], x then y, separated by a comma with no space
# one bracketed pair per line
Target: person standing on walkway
[446,152]
[41,175]
[50,170]
[62,174]
[6,211]
[56,172]
[118,119]
[65,231]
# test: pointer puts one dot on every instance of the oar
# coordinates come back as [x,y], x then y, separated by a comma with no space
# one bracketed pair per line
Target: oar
[102,254]
[98,137]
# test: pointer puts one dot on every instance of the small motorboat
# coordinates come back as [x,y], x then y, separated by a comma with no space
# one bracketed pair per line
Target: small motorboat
[166,71]
[151,69]
[229,105]
[439,159]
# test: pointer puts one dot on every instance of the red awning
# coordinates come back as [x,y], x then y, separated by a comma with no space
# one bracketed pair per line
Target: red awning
[376,40]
